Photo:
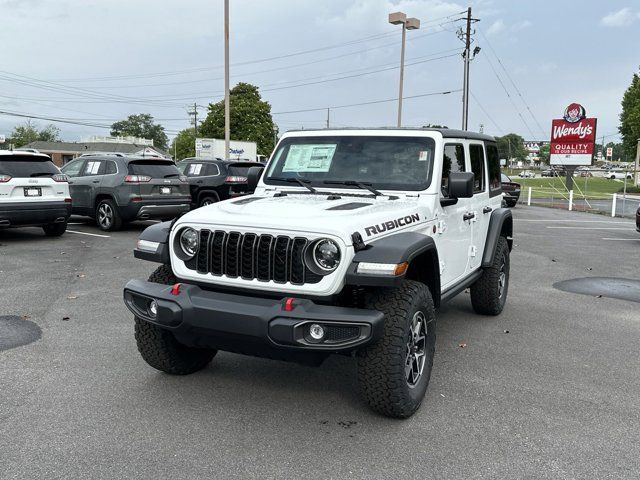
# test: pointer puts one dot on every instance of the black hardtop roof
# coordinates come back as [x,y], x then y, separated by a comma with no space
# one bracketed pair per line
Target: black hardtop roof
[446,132]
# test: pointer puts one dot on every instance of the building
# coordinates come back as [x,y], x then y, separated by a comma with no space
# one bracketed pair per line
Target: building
[63,152]
[533,151]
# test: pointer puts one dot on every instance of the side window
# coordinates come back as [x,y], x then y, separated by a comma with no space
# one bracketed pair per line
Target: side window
[453,161]
[493,164]
[212,169]
[72,169]
[476,155]
[91,168]
[109,167]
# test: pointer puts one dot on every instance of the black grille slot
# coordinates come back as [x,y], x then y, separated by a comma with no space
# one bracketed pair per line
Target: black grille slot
[251,256]
[201,261]
[341,334]
[232,255]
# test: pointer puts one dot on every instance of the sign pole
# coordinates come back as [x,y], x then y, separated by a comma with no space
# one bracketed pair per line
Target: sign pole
[637,167]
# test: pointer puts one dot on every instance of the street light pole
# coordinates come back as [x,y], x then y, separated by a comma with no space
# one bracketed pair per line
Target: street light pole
[398,18]
[227,112]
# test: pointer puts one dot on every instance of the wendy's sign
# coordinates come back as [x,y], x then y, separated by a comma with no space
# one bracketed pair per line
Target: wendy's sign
[572,137]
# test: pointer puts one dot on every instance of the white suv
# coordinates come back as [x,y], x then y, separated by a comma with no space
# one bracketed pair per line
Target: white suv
[351,241]
[33,192]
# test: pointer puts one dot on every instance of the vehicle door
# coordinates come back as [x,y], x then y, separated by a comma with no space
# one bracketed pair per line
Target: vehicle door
[454,230]
[86,184]
[481,205]
[74,170]
[108,179]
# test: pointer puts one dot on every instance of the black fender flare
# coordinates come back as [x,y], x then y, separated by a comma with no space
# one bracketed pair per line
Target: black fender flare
[207,192]
[158,233]
[398,248]
[500,224]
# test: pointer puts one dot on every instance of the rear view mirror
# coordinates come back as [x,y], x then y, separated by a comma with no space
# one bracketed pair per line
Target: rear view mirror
[253,177]
[461,184]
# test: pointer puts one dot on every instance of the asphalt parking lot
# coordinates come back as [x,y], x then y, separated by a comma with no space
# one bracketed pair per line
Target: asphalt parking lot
[558,396]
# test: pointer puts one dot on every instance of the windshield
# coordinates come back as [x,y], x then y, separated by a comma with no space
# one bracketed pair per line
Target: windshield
[387,163]
[21,167]
[154,168]
[505,178]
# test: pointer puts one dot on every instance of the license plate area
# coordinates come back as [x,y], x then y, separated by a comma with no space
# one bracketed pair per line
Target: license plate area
[165,190]
[32,192]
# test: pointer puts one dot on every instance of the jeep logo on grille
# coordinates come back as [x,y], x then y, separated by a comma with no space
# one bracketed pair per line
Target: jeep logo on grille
[391,224]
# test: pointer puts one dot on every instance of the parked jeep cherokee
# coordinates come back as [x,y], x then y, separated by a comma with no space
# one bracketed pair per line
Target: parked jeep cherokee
[214,180]
[114,189]
[33,192]
[350,243]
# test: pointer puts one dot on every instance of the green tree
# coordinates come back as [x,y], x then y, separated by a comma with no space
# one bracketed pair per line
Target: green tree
[544,153]
[184,144]
[28,132]
[511,146]
[250,118]
[630,117]
[141,126]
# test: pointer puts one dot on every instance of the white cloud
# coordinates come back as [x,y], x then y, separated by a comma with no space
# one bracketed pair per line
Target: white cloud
[520,25]
[496,27]
[622,18]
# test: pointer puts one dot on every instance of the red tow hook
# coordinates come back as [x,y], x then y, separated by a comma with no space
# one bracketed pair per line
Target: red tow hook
[175,290]
[288,304]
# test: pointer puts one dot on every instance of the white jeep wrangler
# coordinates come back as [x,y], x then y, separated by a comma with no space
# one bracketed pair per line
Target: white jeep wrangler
[351,241]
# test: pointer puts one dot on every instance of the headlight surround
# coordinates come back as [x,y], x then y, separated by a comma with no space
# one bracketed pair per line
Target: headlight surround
[189,242]
[325,256]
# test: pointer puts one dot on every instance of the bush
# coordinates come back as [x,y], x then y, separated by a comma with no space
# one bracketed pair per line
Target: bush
[630,189]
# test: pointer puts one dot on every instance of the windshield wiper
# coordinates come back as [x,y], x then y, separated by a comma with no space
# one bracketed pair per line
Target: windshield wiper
[353,183]
[303,182]
[41,174]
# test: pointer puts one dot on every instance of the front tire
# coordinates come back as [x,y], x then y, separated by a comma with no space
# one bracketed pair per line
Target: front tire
[108,218]
[394,373]
[489,293]
[160,349]
[55,229]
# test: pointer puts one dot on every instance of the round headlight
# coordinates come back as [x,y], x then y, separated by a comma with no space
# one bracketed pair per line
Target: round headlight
[326,255]
[189,241]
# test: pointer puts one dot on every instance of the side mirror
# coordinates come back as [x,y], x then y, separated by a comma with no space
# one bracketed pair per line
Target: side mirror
[253,177]
[461,184]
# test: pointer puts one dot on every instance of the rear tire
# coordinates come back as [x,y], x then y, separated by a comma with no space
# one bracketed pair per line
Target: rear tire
[207,200]
[394,373]
[489,293]
[54,229]
[160,349]
[108,218]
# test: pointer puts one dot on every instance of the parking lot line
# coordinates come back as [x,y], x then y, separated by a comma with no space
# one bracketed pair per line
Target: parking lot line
[90,234]
[572,221]
[592,228]
[622,239]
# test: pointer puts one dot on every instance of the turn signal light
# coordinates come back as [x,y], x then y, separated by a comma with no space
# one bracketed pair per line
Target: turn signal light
[5,178]
[235,179]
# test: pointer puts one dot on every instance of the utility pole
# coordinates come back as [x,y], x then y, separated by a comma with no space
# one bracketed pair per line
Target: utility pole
[227,112]
[328,113]
[194,112]
[465,36]
[637,165]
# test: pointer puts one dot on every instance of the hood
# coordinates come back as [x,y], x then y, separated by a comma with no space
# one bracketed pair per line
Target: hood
[369,216]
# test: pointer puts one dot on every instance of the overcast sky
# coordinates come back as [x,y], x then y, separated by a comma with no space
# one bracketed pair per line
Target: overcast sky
[98,61]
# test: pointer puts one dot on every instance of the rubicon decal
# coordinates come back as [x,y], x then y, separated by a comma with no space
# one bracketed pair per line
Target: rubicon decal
[391,224]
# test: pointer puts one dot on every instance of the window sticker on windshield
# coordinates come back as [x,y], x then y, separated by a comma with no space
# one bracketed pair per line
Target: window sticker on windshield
[195,168]
[423,156]
[309,158]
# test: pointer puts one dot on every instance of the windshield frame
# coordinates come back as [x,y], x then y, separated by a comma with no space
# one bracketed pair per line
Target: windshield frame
[430,143]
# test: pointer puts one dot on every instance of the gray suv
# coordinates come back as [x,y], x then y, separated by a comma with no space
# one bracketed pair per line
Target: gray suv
[114,189]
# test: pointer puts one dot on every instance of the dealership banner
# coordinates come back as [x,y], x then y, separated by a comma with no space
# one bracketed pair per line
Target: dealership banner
[572,137]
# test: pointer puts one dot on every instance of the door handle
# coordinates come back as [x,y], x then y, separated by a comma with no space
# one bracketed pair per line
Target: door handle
[95,181]
[199,181]
[468,216]
[487,209]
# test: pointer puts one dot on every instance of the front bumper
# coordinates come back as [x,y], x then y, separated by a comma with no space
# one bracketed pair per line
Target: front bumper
[251,325]
[20,214]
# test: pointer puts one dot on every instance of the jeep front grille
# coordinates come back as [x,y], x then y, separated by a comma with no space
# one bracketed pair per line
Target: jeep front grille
[252,256]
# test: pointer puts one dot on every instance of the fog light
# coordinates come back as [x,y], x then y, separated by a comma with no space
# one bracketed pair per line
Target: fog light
[153,308]
[316,331]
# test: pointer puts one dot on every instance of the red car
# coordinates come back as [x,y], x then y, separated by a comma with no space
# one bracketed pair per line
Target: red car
[511,191]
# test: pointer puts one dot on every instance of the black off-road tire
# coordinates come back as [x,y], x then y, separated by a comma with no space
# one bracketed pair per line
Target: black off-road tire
[108,207]
[489,292]
[55,229]
[382,373]
[160,349]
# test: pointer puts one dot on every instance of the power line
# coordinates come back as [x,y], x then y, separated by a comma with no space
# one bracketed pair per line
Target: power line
[512,82]
[486,113]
